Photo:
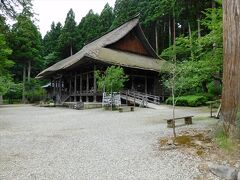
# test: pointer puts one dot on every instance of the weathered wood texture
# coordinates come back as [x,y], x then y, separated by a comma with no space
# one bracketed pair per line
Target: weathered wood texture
[130,43]
[231,72]
[171,122]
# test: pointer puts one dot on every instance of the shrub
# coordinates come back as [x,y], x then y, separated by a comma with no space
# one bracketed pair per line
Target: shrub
[34,91]
[238,122]
[190,100]
[214,90]
[112,79]
[223,141]
[14,93]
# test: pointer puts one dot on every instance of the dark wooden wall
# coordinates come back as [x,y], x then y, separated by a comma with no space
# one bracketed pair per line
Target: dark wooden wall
[130,43]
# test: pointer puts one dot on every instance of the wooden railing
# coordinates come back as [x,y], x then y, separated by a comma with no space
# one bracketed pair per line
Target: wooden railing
[65,96]
[145,98]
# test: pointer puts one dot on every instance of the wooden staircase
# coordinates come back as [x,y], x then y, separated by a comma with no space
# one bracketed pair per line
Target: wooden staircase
[142,99]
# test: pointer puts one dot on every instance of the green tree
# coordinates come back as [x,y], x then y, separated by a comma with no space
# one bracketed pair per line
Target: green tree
[124,10]
[50,44]
[67,38]
[198,61]
[112,80]
[26,44]
[88,29]
[5,64]
[106,18]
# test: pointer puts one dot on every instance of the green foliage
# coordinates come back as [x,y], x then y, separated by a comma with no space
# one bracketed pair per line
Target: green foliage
[5,84]
[124,10]
[5,64]
[34,91]
[112,80]
[199,59]
[25,41]
[88,29]
[190,100]
[106,18]
[50,44]
[14,92]
[67,38]
[223,141]
[50,59]
[214,89]
[5,52]
[238,122]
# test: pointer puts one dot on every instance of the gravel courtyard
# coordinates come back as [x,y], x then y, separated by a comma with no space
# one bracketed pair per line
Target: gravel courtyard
[56,143]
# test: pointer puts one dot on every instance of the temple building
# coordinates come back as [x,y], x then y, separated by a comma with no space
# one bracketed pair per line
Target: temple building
[73,78]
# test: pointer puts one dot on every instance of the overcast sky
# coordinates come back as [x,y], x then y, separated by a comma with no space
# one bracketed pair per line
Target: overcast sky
[56,10]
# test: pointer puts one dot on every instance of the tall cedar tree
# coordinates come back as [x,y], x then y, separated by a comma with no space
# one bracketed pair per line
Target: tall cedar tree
[106,18]
[26,45]
[231,73]
[67,38]
[124,10]
[25,41]
[88,29]
[50,44]
[5,64]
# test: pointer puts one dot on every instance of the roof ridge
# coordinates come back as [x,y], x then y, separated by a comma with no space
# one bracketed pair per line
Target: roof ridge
[110,30]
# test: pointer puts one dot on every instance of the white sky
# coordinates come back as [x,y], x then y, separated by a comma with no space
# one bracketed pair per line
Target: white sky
[56,10]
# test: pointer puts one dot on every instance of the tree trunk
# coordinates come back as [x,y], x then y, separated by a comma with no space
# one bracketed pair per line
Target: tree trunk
[174,72]
[156,37]
[231,68]
[29,70]
[71,51]
[190,38]
[204,86]
[169,32]
[213,7]
[213,3]
[24,81]
[199,28]
[1,99]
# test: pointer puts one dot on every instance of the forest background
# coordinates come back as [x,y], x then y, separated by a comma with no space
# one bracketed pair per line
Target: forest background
[196,26]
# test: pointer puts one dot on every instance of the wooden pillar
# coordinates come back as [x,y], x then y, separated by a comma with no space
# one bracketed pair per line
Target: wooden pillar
[70,87]
[154,85]
[75,87]
[87,87]
[132,83]
[60,88]
[57,87]
[51,85]
[94,85]
[80,88]
[146,84]
[54,87]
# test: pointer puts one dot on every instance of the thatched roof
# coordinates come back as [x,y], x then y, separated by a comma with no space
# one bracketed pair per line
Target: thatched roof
[96,50]
[126,59]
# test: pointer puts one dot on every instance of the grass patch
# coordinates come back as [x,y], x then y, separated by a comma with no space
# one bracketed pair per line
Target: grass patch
[224,142]
[196,142]
[12,101]
[190,100]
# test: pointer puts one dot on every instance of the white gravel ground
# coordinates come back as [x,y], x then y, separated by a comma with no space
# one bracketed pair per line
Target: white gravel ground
[56,143]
